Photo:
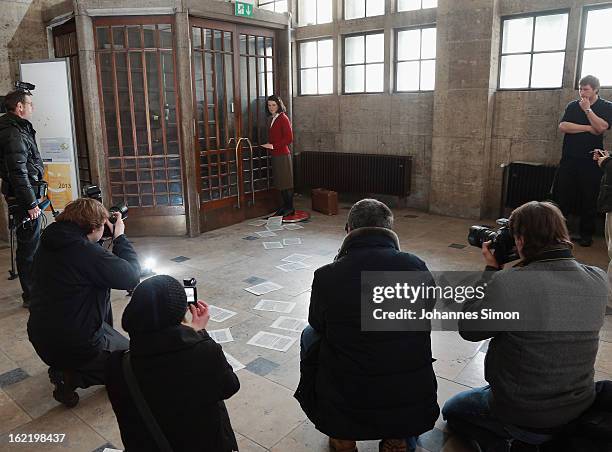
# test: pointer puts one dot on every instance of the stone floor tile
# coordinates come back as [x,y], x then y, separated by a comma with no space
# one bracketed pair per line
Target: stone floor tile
[604,357]
[246,445]
[11,416]
[97,412]
[473,374]
[6,363]
[79,436]
[34,395]
[273,406]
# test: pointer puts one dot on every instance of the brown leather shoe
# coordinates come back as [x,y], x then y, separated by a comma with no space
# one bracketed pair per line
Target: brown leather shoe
[393,445]
[342,445]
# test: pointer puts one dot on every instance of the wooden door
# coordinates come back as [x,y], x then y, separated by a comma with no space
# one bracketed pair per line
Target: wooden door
[232,74]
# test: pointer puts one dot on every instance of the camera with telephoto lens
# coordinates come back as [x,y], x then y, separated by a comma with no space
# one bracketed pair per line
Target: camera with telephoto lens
[94,192]
[190,290]
[502,241]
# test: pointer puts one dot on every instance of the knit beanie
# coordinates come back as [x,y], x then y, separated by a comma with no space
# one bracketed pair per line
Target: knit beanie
[157,303]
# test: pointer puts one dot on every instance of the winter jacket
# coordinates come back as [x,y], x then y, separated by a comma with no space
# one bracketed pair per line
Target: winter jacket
[184,377]
[21,166]
[363,385]
[71,295]
[541,378]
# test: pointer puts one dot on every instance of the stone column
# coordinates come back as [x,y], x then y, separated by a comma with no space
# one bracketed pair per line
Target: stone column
[189,154]
[91,100]
[466,80]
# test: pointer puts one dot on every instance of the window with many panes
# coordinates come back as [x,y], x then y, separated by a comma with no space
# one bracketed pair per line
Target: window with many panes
[312,12]
[415,59]
[316,67]
[278,6]
[533,51]
[412,5]
[597,45]
[364,63]
[354,9]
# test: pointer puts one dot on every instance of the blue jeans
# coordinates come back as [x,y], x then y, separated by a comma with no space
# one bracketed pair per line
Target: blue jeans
[469,414]
[308,339]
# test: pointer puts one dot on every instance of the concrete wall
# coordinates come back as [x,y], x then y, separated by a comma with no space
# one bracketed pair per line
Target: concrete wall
[386,123]
[460,134]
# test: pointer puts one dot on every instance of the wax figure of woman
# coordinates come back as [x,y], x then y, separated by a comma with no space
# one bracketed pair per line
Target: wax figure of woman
[280,136]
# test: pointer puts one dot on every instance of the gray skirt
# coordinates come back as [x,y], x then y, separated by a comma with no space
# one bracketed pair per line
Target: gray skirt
[282,169]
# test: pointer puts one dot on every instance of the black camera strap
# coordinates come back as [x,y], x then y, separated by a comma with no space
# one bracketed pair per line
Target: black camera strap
[143,407]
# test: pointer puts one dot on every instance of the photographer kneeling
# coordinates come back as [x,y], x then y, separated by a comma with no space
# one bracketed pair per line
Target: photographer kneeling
[70,323]
[168,391]
[541,371]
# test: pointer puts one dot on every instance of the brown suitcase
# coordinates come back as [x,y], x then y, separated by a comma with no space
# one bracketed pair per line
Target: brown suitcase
[324,201]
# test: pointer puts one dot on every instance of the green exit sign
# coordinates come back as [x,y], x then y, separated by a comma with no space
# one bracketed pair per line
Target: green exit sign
[243,9]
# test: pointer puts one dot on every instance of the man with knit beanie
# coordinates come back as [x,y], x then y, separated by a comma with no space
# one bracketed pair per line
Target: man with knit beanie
[180,370]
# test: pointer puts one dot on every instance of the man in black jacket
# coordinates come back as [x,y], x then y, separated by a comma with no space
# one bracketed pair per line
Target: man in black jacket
[365,385]
[21,169]
[71,324]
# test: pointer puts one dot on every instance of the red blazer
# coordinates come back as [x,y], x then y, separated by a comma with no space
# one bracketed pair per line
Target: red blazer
[280,135]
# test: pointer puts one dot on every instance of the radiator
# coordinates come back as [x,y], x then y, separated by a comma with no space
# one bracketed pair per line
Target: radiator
[355,173]
[525,182]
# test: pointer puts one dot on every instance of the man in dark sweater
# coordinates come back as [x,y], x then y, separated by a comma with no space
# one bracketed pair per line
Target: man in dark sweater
[542,378]
[584,123]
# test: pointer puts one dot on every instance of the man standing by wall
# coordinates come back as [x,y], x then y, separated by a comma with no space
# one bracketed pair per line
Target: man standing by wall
[583,124]
[21,169]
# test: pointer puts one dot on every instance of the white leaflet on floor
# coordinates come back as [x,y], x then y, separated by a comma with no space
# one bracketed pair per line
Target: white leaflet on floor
[221,336]
[272,341]
[272,245]
[236,365]
[219,314]
[265,233]
[292,266]
[274,222]
[263,288]
[293,226]
[292,241]
[290,324]
[275,306]
[275,228]
[258,223]
[296,258]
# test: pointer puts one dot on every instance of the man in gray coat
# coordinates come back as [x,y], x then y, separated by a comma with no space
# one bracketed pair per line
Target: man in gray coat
[541,372]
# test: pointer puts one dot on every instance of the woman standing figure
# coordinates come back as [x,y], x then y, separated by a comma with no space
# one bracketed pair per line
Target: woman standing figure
[280,136]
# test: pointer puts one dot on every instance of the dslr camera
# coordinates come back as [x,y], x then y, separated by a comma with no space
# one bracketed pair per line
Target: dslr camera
[94,192]
[502,241]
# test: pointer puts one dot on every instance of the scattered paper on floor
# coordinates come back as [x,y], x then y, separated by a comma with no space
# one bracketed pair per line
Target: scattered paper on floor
[275,306]
[258,223]
[265,233]
[292,266]
[293,241]
[272,341]
[296,258]
[218,314]
[263,288]
[272,245]
[236,365]
[221,336]
[290,324]
[293,226]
